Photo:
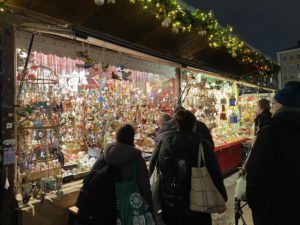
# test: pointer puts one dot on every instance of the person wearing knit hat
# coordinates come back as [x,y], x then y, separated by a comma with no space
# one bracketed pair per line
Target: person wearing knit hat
[289,96]
[273,168]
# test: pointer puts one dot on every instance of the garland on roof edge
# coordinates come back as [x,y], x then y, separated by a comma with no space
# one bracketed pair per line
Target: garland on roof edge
[179,19]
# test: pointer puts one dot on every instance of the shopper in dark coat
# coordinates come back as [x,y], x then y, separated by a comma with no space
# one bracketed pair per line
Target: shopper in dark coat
[123,154]
[161,122]
[97,199]
[264,114]
[201,128]
[273,168]
[170,125]
[184,143]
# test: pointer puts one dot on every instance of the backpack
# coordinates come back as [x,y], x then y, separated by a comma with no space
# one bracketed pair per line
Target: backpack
[96,202]
[174,184]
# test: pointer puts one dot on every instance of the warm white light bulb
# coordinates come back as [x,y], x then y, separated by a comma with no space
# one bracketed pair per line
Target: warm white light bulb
[99,2]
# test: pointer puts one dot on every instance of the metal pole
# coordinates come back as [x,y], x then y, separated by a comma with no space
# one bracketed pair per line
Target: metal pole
[25,68]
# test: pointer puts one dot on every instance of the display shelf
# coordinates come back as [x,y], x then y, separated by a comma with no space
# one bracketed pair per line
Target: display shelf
[55,127]
[36,175]
[41,160]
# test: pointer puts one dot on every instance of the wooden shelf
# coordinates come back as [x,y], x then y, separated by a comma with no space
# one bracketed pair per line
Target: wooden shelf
[42,160]
[42,174]
[42,128]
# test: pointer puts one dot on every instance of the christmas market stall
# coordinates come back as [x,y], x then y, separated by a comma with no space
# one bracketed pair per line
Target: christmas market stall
[69,82]
[69,106]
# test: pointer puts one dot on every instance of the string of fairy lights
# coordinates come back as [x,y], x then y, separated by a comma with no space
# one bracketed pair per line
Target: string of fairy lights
[179,19]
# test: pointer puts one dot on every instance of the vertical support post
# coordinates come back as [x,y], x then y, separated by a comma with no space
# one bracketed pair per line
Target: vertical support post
[178,86]
[8,203]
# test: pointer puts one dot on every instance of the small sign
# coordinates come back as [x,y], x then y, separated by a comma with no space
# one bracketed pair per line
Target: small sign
[94,152]
[9,156]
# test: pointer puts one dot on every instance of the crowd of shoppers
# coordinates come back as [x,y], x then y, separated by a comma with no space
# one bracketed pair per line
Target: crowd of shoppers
[272,169]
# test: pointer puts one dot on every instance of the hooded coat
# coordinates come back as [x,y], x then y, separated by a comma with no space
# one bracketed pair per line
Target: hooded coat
[273,171]
[97,200]
[123,156]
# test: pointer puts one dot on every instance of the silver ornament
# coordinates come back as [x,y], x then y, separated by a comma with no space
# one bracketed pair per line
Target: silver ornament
[175,30]
[164,24]
[201,32]
[99,2]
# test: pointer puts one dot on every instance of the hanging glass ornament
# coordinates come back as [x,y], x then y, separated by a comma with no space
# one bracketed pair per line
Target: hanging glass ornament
[233,118]
[232,101]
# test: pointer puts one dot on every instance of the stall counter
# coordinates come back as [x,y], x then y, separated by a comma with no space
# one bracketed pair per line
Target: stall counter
[54,211]
[229,155]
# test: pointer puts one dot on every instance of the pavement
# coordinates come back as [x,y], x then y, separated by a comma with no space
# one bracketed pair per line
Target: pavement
[227,218]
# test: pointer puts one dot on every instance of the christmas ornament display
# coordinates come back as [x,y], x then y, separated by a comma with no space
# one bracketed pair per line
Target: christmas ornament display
[213,101]
[68,113]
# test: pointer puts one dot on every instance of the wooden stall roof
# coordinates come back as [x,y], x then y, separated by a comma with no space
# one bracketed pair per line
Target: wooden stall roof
[127,25]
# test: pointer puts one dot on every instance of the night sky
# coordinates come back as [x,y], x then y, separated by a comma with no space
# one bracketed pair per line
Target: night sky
[268,25]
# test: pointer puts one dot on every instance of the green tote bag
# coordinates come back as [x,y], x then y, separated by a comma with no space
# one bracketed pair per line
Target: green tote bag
[132,208]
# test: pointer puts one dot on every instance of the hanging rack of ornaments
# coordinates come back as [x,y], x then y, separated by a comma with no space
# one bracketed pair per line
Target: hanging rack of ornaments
[38,141]
[177,17]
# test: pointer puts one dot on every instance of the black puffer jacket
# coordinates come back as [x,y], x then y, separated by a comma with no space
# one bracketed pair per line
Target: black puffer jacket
[273,170]
[123,155]
[179,143]
[201,129]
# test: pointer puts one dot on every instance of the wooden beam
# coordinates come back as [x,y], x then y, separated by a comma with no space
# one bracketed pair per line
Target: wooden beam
[7,90]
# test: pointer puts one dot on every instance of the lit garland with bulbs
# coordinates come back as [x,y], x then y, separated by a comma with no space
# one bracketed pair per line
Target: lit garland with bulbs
[2,6]
[179,19]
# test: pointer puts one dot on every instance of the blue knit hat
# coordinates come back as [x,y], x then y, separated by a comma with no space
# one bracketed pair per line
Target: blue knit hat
[289,95]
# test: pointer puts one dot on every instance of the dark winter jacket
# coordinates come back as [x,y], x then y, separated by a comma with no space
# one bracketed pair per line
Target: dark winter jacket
[273,170]
[123,155]
[201,129]
[262,120]
[186,145]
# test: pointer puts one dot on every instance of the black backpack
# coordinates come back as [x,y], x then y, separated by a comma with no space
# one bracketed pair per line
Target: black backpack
[97,197]
[175,181]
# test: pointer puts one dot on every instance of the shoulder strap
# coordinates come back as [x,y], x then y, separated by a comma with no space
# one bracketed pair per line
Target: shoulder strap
[201,155]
